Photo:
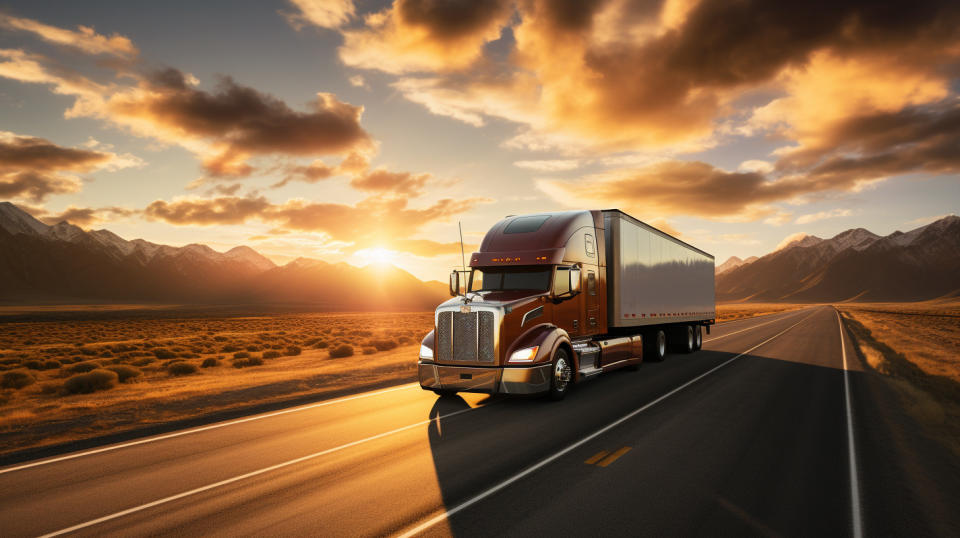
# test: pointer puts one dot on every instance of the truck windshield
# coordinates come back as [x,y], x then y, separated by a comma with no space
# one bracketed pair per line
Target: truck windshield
[510,279]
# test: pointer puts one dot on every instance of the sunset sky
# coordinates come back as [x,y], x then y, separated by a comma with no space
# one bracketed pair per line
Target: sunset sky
[363,131]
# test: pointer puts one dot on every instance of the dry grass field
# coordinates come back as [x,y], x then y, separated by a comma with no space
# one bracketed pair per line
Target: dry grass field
[735,311]
[916,348]
[66,379]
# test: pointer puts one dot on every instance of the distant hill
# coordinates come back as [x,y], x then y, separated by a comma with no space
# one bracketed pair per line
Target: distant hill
[732,263]
[64,263]
[857,264]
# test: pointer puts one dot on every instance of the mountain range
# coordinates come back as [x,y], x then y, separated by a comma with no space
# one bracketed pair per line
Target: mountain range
[63,263]
[856,265]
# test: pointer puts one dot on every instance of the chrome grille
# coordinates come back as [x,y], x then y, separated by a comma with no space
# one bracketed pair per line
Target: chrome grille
[444,336]
[466,336]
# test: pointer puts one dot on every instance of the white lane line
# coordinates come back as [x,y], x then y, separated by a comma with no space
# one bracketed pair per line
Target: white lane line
[751,328]
[444,515]
[203,428]
[251,474]
[851,448]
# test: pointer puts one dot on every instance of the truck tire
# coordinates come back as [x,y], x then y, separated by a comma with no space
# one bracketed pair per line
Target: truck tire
[655,346]
[688,340]
[561,375]
[697,337]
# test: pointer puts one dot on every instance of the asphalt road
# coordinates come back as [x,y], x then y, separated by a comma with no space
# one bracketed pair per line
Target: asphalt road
[763,432]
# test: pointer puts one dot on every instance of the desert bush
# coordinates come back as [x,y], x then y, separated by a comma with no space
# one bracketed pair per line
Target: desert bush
[50,387]
[271,354]
[92,381]
[322,344]
[383,344]
[241,355]
[244,363]
[404,340]
[220,338]
[181,368]
[369,350]
[163,353]
[292,351]
[311,342]
[229,349]
[33,364]
[51,365]
[143,361]
[87,351]
[125,373]
[83,367]
[17,379]
[209,362]
[106,354]
[343,350]
[253,348]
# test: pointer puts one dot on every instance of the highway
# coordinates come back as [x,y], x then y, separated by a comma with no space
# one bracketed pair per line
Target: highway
[772,429]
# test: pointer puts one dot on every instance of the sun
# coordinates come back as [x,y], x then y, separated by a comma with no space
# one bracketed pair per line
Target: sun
[377,255]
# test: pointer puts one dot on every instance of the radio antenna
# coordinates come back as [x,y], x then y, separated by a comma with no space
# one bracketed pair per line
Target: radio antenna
[463,260]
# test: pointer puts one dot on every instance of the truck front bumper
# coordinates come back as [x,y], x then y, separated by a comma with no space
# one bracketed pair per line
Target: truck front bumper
[491,380]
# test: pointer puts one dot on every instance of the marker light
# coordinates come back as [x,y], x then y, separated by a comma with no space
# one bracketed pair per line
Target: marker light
[425,352]
[524,355]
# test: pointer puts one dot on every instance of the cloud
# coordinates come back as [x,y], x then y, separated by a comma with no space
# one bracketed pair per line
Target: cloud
[790,239]
[357,81]
[322,13]
[84,38]
[35,168]
[85,217]
[822,215]
[554,165]
[755,165]
[373,222]
[383,181]
[425,35]
[311,173]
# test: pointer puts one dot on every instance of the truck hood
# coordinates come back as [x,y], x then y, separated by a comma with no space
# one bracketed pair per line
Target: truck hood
[499,298]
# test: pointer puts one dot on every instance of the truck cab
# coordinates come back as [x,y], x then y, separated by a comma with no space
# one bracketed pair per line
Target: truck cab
[530,313]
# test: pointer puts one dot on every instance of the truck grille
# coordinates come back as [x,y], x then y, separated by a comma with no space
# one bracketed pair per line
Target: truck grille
[466,337]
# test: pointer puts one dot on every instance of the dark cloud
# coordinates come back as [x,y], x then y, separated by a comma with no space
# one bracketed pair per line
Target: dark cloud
[450,20]
[35,186]
[207,212]
[311,173]
[239,122]
[384,181]
[86,217]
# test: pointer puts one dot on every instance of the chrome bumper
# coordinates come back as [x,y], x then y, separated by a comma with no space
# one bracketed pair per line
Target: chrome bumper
[492,380]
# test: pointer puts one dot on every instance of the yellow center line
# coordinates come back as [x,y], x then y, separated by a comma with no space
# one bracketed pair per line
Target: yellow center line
[613,457]
[596,457]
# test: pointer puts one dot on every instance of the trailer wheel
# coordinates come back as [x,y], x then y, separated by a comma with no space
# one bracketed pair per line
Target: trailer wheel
[688,343]
[697,337]
[655,346]
[560,375]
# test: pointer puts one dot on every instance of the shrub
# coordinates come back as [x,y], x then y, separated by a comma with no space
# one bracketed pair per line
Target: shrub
[51,387]
[181,368]
[83,367]
[292,351]
[369,350]
[244,363]
[163,353]
[92,381]
[253,348]
[311,342]
[271,354]
[241,355]
[343,350]
[322,344]
[125,373]
[220,338]
[51,365]
[143,361]
[87,351]
[33,365]
[383,344]
[209,362]
[106,354]
[16,379]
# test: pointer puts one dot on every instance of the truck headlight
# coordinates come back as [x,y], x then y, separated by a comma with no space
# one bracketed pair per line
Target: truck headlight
[426,352]
[526,354]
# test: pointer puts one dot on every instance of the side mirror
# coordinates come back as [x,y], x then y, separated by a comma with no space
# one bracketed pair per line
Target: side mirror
[574,281]
[454,283]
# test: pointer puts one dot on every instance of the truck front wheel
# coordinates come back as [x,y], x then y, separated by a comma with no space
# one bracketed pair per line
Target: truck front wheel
[655,346]
[560,375]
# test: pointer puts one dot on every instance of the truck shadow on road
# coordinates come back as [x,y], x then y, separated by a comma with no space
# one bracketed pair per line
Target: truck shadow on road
[757,447]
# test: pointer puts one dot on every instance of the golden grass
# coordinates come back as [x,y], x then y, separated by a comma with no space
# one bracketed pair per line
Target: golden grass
[44,413]
[735,311]
[916,349]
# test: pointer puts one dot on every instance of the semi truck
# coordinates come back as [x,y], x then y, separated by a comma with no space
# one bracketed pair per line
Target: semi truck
[554,299]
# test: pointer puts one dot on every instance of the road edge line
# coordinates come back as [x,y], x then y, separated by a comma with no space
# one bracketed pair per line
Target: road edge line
[792,314]
[556,455]
[856,515]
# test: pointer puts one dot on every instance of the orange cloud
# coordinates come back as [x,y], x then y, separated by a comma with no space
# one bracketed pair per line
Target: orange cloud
[383,181]
[322,13]
[374,221]
[84,38]
[35,168]
[425,35]
[85,217]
